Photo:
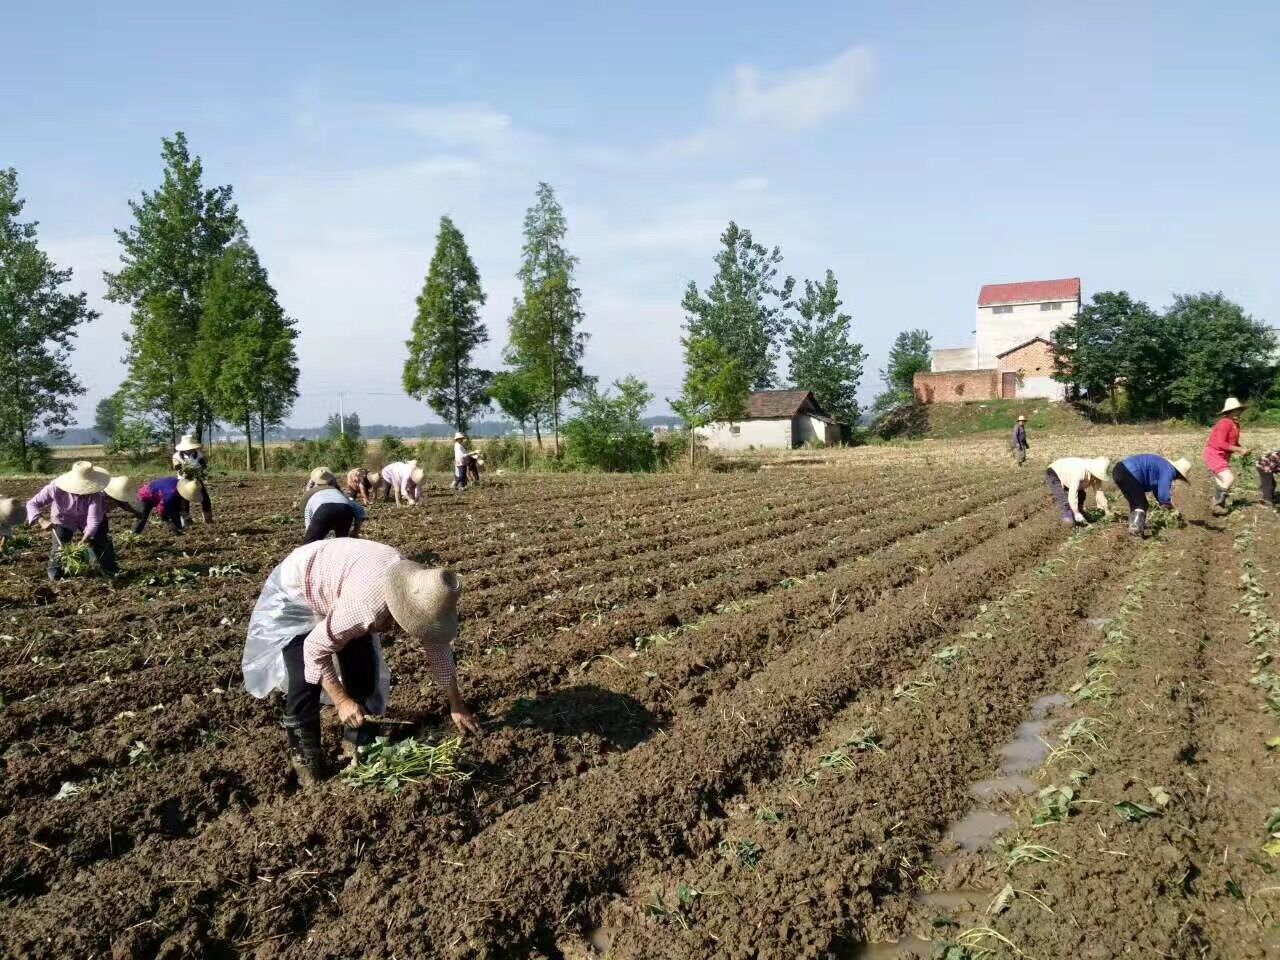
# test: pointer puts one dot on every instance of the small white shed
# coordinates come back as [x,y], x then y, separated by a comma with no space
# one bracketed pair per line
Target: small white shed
[775,419]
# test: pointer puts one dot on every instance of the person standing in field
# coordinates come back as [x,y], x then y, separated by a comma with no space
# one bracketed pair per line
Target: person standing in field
[1268,466]
[1224,440]
[76,505]
[328,510]
[173,498]
[460,457]
[331,599]
[1145,473]
[1069,478]
[1019,441]
[404,481]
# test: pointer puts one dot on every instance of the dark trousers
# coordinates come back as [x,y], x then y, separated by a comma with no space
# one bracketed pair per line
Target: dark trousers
[104,551]
[1134,495]
[206,505]
[459,477]
[178,521]
[1059,494]
[1267,481]
[302,700]
[335,518]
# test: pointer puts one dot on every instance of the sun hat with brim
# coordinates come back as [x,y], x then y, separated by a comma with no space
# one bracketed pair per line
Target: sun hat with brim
[416,473]
[124,490]
[10,512]
[188,442]
[189,490]
[424,601]
[1098,467]
[83,478]
[1182,465]
[1231,404]
[459,435]
[322,475]
[1022,418]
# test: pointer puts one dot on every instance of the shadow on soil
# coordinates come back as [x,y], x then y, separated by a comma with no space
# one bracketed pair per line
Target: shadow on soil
[616,717]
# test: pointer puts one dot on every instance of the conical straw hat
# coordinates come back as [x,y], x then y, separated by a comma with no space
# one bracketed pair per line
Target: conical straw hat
[1182,465]
[322,476]
[424,601]
[416,474]
[1098,467]
[1231,404]
[124,490]
[83,478]
[188,442]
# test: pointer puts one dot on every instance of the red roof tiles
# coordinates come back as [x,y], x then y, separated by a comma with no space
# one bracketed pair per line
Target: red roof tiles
[1031,291]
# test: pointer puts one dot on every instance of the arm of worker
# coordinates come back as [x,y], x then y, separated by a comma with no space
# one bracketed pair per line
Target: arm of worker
[37,505]
[1073,500]
[1100,499]
[444,669]
[324,640]
[93,517]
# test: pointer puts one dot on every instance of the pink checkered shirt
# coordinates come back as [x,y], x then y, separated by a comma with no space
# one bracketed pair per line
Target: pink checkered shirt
[344,581]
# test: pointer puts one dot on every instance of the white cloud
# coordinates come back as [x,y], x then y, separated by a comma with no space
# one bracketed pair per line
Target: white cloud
[460,124]
[751,184]
[801,98]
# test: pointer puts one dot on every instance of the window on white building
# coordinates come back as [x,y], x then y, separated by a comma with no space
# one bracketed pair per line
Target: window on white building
[1051,306]
[1004,309]
[734,430]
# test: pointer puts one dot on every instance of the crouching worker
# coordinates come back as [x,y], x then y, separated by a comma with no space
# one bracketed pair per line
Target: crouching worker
[173,498]
[404,481]
[1268,466]
[76,505]
[190,463]
[332,599]
[1070,478]
[328,510]
[364,486]
[1146,473]
[10,515]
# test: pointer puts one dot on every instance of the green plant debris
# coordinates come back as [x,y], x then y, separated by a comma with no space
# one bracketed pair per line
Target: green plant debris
[227,570]
[1055,805]
[769,815]
[140,755]
[745,851]
[77,560]
[913,689]
[949,656]
[1022,853]
[1135,812]
[389,764]
[171,578]
[1082,730]
[686,897]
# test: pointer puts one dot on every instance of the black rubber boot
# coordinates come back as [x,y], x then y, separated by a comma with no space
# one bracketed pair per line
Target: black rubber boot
[305,754]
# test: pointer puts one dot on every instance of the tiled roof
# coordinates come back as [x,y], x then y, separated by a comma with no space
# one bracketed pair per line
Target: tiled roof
[1020,346]
[774,404]
[1030,291]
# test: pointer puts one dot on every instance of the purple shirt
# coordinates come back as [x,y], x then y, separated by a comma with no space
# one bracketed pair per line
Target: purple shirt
[84,512]
[399,476]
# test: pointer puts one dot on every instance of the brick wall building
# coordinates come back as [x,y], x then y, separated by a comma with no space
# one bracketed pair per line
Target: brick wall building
[1024,371]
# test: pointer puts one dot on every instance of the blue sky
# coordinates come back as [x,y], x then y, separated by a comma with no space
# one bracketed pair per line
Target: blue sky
[919,150]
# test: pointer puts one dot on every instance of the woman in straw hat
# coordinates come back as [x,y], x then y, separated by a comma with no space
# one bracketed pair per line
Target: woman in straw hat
[1268,466]
[1019,441]
[404,480]
[1224,440]
[328,510]
[319,477]
[190,463]
[463,461]
[172,498]
[10,515]
[1145,473]
[76,505]
[363,485]
[122,494]
[1069,478]
[331,599]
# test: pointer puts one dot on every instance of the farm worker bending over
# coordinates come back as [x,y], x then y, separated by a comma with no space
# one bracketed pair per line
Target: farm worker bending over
[10,514]
[319,477]
[172,497]
[363,485]
[1145,473]
[1019,441]
[1268,465]
[1069,478]
[1224,440]
[76,504]
[332,598]
[328,510]
[404,479]
[188,456]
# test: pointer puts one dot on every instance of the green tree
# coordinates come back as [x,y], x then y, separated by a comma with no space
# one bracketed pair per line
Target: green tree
[744,308]
[446,333]
[168,255]
[246,361]
[107,415]
[517,397]
[607,431]
[1113,341]
[546,341]
[822,357]
[1222,351]
[346,424]
[38,323]
[715,387]
[910,354]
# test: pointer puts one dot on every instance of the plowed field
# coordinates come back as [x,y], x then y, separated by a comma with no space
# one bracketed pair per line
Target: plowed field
[843,710]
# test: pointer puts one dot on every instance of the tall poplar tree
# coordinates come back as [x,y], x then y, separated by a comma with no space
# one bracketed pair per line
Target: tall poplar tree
[246,361]
[446,332]
[38,323]
[167,256]
[546,341]
[822,358]
[744,308]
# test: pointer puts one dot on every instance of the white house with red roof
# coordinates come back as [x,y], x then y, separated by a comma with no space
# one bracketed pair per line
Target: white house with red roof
[1011,356]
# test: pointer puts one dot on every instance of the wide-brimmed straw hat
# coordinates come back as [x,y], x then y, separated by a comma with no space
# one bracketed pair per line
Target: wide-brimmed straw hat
[124,490]
[1231,404]
[416,473]
[188,442]
[83,478]
[321,476]
[1098,467]
[189,490]
[1182,465]
[424,601]
[1022,418]
[459,435]
[10,512]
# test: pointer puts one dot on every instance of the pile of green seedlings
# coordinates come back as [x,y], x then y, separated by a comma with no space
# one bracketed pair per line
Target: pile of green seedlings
[77,560]
[388,764]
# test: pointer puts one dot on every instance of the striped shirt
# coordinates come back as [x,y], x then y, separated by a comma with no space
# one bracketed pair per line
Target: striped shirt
[344,581]
[323,495]
[399,476]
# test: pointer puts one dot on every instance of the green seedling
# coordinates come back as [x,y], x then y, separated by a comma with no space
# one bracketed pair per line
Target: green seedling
[745,851]
[913,689]
[171,578]
[67,790]
[769,815]
[1134,812]
[948,656]
[976,943]
[1082,730]
[1055,806]
[140,755]
[686,896]
[77,560]
[836,760]
[227,570]
[1272,847]
[1023,853]
[388,764]
[864,739]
